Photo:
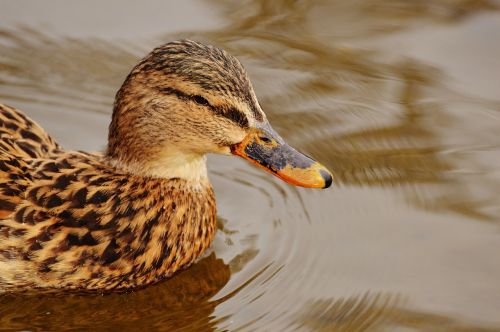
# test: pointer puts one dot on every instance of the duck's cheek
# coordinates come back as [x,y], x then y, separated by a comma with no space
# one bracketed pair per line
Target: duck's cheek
[222,143]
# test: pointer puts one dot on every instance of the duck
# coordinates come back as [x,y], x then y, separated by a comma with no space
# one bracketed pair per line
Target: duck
[144,208]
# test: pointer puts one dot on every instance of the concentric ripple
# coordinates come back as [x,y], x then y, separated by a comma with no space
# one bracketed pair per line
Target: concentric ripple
[398,98]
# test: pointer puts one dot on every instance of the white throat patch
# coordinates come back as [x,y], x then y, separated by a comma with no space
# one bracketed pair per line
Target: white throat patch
[189,167]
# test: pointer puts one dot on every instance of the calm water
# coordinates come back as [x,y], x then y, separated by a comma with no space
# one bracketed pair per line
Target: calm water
[401,99]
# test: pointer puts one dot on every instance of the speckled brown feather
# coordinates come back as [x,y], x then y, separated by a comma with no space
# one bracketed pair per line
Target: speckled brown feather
[71,221]
[20,139]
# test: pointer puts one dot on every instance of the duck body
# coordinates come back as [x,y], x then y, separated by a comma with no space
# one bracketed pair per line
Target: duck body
[70,220]
[145,208]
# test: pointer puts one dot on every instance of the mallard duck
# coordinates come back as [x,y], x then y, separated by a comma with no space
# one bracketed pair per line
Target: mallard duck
[145,208]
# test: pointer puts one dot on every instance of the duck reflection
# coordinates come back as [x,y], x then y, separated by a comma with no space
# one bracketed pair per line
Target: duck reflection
[182,302]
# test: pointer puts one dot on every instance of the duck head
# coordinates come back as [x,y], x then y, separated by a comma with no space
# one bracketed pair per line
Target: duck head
[186,99]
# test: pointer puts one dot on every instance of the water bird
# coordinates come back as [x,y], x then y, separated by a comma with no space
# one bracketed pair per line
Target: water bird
[143,209]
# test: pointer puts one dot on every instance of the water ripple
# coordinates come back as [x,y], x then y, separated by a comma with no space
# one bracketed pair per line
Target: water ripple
[415,163]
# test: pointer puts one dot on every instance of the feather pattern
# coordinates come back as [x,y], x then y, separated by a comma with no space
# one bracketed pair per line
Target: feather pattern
[69,220]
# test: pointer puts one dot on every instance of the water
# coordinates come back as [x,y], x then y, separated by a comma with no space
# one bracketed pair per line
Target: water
[399,98]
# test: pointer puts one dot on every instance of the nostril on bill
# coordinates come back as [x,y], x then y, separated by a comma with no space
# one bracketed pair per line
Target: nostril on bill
[265,139]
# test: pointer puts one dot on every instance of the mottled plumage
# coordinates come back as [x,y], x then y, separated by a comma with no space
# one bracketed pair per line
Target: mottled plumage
[72,221]
[145,208]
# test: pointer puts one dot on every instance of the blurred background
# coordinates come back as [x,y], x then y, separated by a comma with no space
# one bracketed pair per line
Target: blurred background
[400,99]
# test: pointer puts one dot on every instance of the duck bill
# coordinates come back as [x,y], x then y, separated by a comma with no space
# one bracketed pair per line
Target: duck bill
[266,149]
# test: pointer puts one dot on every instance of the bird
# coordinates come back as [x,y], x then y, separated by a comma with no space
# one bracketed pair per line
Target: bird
[144,208]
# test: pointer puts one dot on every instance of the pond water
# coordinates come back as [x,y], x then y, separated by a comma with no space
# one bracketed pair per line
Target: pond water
[400,99]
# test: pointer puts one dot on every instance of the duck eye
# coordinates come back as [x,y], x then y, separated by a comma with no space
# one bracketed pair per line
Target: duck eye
[200,100]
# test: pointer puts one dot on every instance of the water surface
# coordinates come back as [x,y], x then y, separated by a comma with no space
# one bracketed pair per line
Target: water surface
[399,98]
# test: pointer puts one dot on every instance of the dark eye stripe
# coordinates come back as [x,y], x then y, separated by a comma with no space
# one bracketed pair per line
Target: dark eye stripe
[230,113]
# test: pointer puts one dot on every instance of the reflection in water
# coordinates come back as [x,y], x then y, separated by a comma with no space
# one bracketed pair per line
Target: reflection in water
[180,302]
[329,81]
[376,312]
[71,73]
[357,313]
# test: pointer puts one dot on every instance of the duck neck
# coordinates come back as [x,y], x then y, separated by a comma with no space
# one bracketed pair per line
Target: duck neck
[190,167]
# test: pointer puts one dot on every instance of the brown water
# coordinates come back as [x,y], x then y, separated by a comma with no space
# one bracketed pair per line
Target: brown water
[401,99]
